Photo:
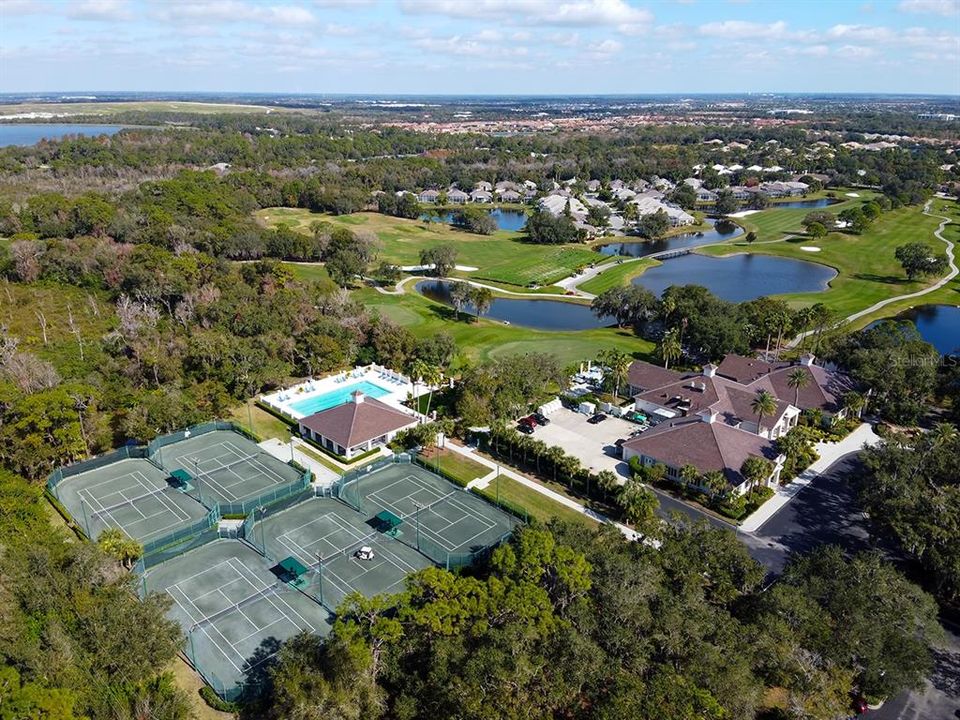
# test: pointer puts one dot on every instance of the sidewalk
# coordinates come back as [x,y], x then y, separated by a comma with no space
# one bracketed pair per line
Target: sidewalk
[546,492]
[322,475]
[829,454]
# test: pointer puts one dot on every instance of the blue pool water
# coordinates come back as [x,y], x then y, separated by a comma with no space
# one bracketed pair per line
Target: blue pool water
[318,403]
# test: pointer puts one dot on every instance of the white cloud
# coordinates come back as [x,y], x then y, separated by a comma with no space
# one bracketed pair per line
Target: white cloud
[862,33]
[616,13]
[740,29]
[470,47]
[855,52]
[933,7]
[339,30]
[607,47]
[104,10]
[564,39]
[236,11]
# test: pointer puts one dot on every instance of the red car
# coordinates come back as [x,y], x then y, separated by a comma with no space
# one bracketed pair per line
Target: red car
[530,420]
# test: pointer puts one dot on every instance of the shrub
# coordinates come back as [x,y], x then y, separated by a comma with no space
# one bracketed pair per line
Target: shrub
[218,703]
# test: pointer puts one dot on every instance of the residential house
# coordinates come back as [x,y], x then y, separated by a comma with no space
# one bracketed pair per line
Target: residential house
[457,196]
[510,196]
[557,205]
[428,196]
[505,185]
[355,427]
[593,186]
[481,196]
[649,206]
[483,186]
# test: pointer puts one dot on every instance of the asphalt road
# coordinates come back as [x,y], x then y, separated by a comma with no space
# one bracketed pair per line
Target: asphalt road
[826,512]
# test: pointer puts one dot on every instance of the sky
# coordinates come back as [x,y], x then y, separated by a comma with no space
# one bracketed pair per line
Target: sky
[481,46]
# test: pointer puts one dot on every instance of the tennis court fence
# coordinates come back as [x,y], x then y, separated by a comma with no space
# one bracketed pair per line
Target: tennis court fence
[62,473]
[347,488]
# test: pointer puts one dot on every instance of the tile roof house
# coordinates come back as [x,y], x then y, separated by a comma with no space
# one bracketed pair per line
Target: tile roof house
[707,419]
[428,196]
[510,196]
[481,196]
[484,186]
[455,195]
[706,443]
[355,427]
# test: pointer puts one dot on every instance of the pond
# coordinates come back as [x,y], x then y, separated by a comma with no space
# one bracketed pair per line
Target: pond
[536,314]
[32,133]
[718,232]
[738,278]
[821,203]
[512,220]
[939,325]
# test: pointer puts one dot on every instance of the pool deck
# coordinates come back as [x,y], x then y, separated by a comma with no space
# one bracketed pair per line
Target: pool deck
[399,388]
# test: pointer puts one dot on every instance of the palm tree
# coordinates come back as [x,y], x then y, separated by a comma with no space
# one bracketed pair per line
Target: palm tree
[570,466]
[943,433]
[482,300]
[670,348]
[417,369]
[432,375]
[607,480]
[540,450]
[756,469]
[797,379]
[762,404]
[555,455]
[618,364]
[639,505]
[114,542]
[854,402]
[689,474]
[715,481]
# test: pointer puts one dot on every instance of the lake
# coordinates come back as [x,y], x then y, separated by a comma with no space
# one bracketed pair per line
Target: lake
[738,277]
[821,203]
[535,314]
[32,133]
[718,232]
[512,220]
[939,325]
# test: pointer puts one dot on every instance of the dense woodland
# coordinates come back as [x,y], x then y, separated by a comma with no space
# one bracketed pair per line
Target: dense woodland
[125,316]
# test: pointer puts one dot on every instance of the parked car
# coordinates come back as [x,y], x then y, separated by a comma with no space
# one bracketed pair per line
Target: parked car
[531,420]
[598,418]
[619,446]
[525,429]
[541,419]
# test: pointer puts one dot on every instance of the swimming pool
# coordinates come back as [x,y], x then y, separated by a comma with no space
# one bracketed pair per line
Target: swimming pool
[318,403]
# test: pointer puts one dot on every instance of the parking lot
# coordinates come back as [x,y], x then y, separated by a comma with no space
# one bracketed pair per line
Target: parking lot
[594,445]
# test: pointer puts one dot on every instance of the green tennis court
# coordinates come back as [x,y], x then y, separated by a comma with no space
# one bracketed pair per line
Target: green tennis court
[133,495]
[324,536]
[450,520]
[233,609]
[226,466]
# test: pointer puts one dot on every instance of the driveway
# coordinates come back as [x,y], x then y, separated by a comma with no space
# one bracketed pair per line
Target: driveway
[593,445]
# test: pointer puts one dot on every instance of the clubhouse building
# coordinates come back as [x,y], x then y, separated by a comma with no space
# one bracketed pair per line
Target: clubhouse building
[355,427]
[706,419]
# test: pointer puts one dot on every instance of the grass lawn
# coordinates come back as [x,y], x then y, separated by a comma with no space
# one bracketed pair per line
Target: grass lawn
[536,504]
[773,223]
[502,257]
[454,464]
[486,338]
[616,275]
[308,273]
[265,425]
[868,270]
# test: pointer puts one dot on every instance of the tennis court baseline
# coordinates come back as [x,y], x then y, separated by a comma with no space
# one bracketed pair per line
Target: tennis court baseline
[133,495]
[227,465]
[234,611]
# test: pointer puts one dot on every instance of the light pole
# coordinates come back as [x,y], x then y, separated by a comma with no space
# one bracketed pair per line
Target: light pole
[416,514]
[262,511]
[320,576]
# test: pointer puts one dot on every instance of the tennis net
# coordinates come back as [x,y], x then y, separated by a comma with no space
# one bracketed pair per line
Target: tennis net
[431,505]
[249,600]
[204,474]
[130,501]
[351,549]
